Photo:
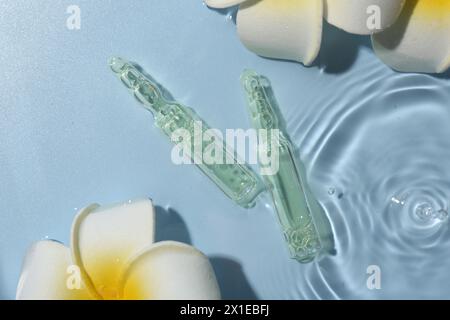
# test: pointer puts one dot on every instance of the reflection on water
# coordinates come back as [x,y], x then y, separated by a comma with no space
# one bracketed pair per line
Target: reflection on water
[376,146]
[380,151]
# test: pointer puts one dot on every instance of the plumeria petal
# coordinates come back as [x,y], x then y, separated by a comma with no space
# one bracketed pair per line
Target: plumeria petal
[220,4]
[170,270]
[363,16]
[48,274]
[105,238]
[283,29]
[420,40]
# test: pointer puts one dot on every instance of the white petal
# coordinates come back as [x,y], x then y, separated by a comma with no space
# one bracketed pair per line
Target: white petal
[48,274]
[170,271]
[282,29]
[105,238]
[363,16]
[220,4]
[420,40]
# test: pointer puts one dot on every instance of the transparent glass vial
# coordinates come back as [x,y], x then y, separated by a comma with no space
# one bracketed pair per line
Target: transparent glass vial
[236,180]
[297,209]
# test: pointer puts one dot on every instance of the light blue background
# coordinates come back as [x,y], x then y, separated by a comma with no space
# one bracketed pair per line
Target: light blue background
[71,135]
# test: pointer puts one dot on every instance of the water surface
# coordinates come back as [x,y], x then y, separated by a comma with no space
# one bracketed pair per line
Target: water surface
[374,143]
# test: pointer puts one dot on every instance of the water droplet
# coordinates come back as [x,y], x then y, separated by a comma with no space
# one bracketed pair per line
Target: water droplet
[424,211]
[442,214]
[398,201]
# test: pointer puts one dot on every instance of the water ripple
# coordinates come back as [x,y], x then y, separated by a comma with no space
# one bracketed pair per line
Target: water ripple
[380,146]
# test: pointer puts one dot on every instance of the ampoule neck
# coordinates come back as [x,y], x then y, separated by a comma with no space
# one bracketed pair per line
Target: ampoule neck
[150,96]
[157,107]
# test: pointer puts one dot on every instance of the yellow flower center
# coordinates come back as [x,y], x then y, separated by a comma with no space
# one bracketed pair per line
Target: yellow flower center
[434,9]
[107,279]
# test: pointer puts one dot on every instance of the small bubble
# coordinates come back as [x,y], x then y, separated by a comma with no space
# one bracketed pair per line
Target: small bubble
[425,211]
[442,214]
[331,191]
[398,201]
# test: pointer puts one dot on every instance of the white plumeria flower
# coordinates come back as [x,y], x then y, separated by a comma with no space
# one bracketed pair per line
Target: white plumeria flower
[407,35]
[114,255]
[419,41]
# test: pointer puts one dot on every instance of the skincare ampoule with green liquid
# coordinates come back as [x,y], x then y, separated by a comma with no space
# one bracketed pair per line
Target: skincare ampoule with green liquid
[234,178]
[304,223]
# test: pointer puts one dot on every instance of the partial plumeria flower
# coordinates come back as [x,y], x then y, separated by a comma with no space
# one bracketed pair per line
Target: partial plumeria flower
[113,256]
[407,35]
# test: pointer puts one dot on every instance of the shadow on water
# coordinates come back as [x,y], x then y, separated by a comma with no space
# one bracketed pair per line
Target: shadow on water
[339,49]
[232,280]
[320,218]
[445,75]
[170,226]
